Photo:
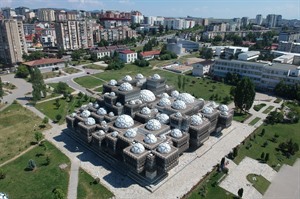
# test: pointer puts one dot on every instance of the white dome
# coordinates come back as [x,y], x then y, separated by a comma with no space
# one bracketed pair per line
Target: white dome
[164,102]
[73,114]
[163,118]
[139,76]
[85,114]
[96,105]
[100,132]
[175,93]
[156,77]
[111,114]
[147,96]
[115,133]
[127,78]
[124,122]
[176,133]
[101,111]
[137,148]
[178,114]
[186,97]
[103,123]
[207,110]
[223,107]
[196,120]
[164,148]
[125,87]
[130,133]
[165,95]
[112,82]
[214,105]
[145,111]
[153,125]
[112,94]
[90,104]
[90,121]
[131,102]
[118,104]
[138,101]
[150,138]
[224,113]
[179,105]
[201,99]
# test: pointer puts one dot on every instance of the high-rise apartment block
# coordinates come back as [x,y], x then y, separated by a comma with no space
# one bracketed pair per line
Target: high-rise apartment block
[12,41]
[46,15]
[8,12]
[244,21]
[273,20]
[259,19]
[21,10]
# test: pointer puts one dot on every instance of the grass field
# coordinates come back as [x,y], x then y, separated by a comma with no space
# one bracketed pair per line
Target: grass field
[50,110]
[21,183]
[71,70]
[268,110]
[260,183]
[17,128]
[240,117]
[54,85]
[88,189]
[259,106]
[88,81]
[51,74]
[255,145]
[95,66]
[254,121]
[209,188]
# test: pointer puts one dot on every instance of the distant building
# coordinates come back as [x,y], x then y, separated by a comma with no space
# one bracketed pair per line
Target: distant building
[8,12]
[284,59]
[178,24]
[127,56]
[46,14]
[259,19]
[148,55]
[201,68]
[137,17]
[229,51]
[113,34]
[289,36]
[22,10]
[46,63]
[273,20]
[60,15]
[29,15]
[244,21]
[250,55]
[187,45]
[289,47]
[101,52]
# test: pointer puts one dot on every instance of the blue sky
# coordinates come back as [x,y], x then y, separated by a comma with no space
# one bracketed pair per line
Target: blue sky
[289,9]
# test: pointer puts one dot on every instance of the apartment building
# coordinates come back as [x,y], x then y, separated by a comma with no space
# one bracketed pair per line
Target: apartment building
[259,19]
[289,36]
[12,41]
[22,10]
[8,12]
[114,34]
[127,56]
[289,47]
[273,20]
[72,35]
[46,14]
[264,75]
[174,24]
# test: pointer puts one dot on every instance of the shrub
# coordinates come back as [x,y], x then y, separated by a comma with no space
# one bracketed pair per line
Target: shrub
[31,165]
[45,120]
[97,180]
[2,174]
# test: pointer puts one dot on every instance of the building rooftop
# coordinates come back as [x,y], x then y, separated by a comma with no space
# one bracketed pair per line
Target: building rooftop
[251,53]
[42,62]
[149,53]
[127,52]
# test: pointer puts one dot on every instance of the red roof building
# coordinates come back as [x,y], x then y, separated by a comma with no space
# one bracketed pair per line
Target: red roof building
[150,54]
[46,63]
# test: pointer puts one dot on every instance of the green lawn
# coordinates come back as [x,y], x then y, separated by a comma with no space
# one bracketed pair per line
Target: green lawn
[88,189]
[21,183]
[88,81]
[80,62]
[71,70]
[268,109]
[259,106]
[254,145]
[54,85]
[99,89]
[240,117]
[260,183]
[254,121]
[51,74]
[209,188]
[95,66]
[17,128]
[50,110]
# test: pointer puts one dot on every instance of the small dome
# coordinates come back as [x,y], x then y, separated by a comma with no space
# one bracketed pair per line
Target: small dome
[118,104]
[132,102]
[139,76]
[101,111]
[73,114]
[176,133]
[196,120]
[100,132]
[103,123]
[163,118]
[96,105]
[223,107]
[150,139]
[147,96]
[115,133]
[178,114]
[112,82]
[124,121]
[127,78]
[138,101]
[145,111]
[111,114]
[163,137]
[155,110]
[201,99]
[164,148]
[179,105]
[137,148]
[214,104]
[130,133]
[84,107]
[90,121]
[90,104]
[164,102]
[125,87]
[85,114]
[207,110]
[175,93]
[153,125]
[167,86]
[186,97]
[112,94]
[165,95]
[156,77]
[224,113]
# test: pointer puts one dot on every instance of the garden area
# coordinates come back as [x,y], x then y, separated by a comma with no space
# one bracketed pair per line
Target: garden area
[254,121]
[258,107]
[241,116]
[71,70]
[36,174]
[95,67]
[17,129]
[268,109]
[260,183]
[88,187]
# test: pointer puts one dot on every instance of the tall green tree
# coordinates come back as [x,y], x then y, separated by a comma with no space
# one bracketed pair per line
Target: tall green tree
[1,89]
[22,71]
[244,94]
[38,85]
[240,192]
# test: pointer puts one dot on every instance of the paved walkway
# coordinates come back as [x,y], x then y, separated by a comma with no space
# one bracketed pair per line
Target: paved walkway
[237,177]
[73,182]
[286,184]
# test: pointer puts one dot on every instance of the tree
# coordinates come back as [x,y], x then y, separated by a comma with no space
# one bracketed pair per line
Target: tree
[38,136]
[267,157]
[58,193]
[1,89]
[58,117]
[244,94]
[71,98]
[38,85]
[217,39]
[240,192]
[60,53]
[31,165]
[57,104]
[94,57]
[206,53]
[48,160]
[262,156]
[22,71]
[61,88]
[179,81]
[45,120]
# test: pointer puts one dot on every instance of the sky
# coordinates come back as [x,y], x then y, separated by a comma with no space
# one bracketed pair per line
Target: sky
[289,9]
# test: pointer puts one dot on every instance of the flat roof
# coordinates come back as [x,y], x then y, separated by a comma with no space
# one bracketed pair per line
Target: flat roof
[42,62]
[251,53]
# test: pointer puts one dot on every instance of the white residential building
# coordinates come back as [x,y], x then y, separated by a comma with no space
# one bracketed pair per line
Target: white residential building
[101,52]
[127,56]
[46,15]
[202,68]
[174,24]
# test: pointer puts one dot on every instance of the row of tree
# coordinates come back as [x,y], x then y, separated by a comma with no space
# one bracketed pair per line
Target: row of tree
[290,91]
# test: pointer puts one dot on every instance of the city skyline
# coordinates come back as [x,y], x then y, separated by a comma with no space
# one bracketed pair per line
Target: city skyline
[289,9]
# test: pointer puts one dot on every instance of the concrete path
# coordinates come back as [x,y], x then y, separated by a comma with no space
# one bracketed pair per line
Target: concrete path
[22,153]
[286,184]
[73,182]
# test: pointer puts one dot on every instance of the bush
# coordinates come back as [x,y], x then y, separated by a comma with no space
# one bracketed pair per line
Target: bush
[45,120]
[58,117]
[97,181]
[31,165]
[2,174]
